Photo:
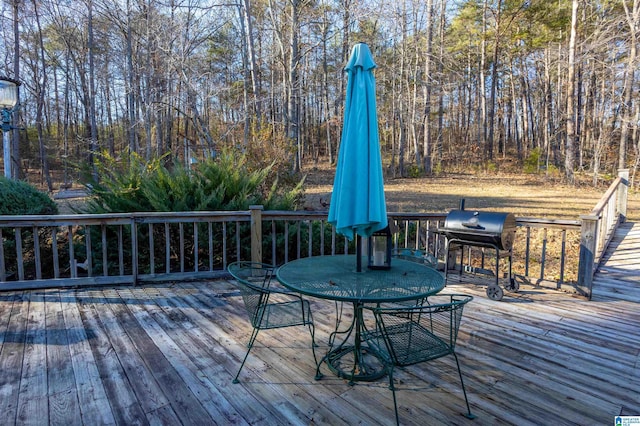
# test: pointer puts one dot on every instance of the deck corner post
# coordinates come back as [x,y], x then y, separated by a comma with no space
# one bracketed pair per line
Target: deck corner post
[623,191]
[588,247]
[256,233]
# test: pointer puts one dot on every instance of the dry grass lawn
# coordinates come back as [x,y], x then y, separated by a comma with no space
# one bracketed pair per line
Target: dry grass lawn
[525,195]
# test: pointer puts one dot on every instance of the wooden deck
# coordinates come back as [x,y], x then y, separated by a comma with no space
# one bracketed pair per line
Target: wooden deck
[166,354]
[619,276]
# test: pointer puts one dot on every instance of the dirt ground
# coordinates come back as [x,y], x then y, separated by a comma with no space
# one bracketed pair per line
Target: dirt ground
[524,195]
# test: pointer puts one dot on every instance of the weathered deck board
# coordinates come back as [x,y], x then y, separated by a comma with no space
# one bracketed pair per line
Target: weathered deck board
[619,275]
[166,354]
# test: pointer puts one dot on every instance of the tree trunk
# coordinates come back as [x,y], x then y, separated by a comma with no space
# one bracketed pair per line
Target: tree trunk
[482,122]
[41,88]
[93,144]
[426,143]
[569,162]
[440,74]
[293,101]
[130,84]
[626,108]
[494,84]
[15,151]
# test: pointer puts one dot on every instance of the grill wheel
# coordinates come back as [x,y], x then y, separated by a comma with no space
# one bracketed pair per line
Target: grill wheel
[494,292]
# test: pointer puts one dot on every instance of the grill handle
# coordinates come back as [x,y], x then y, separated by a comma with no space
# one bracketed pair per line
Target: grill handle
[473,222]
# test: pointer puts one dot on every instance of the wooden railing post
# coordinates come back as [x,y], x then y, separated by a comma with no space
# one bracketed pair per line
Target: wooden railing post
[256,233]
[623,190]
[588,247]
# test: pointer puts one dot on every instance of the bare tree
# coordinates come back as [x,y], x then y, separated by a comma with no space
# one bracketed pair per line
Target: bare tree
[626,114]
[569,162]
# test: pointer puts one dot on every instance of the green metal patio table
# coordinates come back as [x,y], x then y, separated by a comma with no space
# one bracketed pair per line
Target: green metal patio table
[335,278]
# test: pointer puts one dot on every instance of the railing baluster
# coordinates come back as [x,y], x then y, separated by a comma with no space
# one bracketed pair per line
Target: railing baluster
[152,257]
[563,254]
[527,251]
[105,251]
[120,250]
[298,239]
[3,270]
[274,238]
[54,250]
[195,247]
[87,246]
[333,241]
[181,236]
[134,251]
[286,241]
[210,236]
[19,258]
[310,239]
[167,248]
[224,245]
[36,252]
[72,257]
[543,258]
[238,241]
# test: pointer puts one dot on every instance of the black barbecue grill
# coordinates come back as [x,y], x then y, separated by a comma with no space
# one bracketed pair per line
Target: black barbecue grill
[481,229]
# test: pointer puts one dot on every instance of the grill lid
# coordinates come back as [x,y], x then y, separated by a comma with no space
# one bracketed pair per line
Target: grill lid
[483,228]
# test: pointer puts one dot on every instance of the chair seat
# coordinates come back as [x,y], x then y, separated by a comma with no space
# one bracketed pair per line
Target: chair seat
[285,314]
[411,343]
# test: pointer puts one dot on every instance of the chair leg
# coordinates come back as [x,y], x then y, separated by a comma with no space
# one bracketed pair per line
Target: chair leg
[393,391]
[312,330]
[252,339]
[466,400]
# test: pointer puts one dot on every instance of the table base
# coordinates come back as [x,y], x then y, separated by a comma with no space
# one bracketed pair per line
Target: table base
[355,364]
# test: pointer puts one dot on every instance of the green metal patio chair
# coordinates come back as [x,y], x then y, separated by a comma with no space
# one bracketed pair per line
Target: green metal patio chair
[406,335]
[417,256]
[287,310]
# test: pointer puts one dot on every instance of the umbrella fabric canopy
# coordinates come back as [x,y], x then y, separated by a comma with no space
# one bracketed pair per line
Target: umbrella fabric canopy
[357,203]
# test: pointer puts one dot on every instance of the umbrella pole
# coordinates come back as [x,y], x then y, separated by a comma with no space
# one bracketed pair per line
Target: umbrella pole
[358,253]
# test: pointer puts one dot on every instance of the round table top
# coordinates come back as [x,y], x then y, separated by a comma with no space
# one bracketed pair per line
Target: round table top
[335,278]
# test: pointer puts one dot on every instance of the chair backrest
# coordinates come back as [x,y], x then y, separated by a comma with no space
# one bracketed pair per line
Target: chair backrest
[253,280]
[417,256]
[412,334]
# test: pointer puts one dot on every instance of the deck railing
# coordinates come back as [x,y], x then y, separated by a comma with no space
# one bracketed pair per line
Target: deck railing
[598,228]
[81,250]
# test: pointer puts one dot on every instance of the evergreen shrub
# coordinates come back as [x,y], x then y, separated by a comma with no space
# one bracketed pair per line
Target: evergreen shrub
[532,162]
[227,183]
[18,198]
[21,198]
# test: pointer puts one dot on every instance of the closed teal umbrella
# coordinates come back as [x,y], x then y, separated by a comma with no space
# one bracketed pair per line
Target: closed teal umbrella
[357,203]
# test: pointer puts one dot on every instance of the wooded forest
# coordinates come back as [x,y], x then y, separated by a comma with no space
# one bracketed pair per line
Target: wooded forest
[548,85]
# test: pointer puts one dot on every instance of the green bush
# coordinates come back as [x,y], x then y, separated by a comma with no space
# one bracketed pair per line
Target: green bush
[133,184]
[21,198]
[228,182]
[414,171]
[532,162]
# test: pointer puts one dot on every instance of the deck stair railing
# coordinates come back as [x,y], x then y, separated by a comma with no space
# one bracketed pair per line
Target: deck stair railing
[598,228]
